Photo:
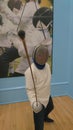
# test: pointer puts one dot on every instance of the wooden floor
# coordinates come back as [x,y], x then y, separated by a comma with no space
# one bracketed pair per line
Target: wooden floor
[18,116]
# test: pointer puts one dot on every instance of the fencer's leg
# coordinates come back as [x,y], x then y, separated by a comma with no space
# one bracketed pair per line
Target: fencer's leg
[3,69]
[8,56]
[11,54]
[15,74]
[48,109]
[39,120]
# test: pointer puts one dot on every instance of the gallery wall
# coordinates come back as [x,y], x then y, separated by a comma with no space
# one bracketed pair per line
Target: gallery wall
[60,77]
[71,50]
[13,89]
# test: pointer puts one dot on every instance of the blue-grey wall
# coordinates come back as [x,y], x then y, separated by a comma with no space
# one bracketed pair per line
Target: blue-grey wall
[13,89]
[71,50]
[60,78]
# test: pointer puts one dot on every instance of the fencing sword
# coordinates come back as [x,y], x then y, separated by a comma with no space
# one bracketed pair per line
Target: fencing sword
[37,106]
[21,16]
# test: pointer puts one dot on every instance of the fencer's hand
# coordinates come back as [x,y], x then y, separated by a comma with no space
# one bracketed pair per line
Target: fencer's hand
[37,107]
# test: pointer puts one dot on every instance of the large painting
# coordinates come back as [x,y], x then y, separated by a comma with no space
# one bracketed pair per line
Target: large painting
[35,18]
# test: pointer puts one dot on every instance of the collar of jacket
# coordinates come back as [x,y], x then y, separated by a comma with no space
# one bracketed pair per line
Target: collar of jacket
[38,65]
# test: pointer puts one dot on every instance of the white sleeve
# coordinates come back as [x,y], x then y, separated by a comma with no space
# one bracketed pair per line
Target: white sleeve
[3,30]
[30,87]
[29,10]
[13,17]
[10,15]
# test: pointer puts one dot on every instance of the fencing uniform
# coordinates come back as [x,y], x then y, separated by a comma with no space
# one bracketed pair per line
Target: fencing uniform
[42,81]
[42,78]
[10,53]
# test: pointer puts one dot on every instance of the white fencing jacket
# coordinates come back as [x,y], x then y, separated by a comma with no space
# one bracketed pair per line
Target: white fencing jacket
[6,31]
[42,80]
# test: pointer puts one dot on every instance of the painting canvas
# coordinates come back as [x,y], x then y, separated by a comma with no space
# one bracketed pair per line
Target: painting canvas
[35,18]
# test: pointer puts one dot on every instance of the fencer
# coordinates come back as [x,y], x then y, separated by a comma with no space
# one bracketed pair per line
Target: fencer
[42,78]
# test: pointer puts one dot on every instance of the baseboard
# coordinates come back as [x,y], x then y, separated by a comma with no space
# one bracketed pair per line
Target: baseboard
[18,93]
